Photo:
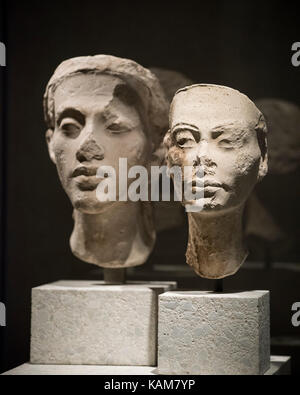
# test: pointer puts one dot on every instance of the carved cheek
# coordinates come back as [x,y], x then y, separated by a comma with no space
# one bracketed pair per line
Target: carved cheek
[191,157]
[246,163]
[138,151]
[59,149]
[65,155]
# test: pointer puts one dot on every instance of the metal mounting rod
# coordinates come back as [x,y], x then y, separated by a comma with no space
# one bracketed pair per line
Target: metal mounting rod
[219,286]
[114,276]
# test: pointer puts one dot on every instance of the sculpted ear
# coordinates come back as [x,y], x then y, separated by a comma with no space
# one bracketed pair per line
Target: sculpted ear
[49,139]
[263,167]
[261,130]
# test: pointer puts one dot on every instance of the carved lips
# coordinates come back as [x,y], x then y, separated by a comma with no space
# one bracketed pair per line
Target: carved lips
[210,187]
[86,179]
[84,171]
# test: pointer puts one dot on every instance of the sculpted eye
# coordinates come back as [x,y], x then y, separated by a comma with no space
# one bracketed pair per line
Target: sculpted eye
[118,127]
[70,127]
[217,134]
[185,139]
[225,143]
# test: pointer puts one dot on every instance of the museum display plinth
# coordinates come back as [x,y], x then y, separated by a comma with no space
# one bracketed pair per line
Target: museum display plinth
[204,333]
[90,323]
[280,366]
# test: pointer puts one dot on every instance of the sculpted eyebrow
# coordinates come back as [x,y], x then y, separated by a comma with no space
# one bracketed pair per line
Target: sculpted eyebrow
[72,113]
[185,125]
[221,129]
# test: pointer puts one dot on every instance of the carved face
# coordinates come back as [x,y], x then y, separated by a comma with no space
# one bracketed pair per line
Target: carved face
[97,121]
[215,128]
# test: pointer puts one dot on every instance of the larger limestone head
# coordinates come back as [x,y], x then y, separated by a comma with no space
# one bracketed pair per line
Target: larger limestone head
[100,109]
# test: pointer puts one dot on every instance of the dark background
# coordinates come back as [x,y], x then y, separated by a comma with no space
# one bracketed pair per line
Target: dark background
[242,44]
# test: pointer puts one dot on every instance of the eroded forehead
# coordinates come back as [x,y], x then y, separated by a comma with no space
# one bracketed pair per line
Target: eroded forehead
[212,106]
[89,84]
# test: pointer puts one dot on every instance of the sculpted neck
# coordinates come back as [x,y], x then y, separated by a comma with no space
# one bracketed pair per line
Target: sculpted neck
[216,247]
[115,238]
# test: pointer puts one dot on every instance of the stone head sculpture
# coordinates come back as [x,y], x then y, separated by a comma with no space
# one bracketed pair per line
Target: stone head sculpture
[99,109]
[221,131]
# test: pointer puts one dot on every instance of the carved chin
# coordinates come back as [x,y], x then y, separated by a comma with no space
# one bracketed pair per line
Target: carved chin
[204,206]
[211,205]
[91,205]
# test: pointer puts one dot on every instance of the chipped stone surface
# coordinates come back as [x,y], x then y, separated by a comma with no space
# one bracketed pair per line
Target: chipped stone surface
[88,323]
[99,109]
[215,334]
[220,135]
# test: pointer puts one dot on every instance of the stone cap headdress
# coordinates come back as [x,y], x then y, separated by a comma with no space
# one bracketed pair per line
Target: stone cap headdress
[141,80]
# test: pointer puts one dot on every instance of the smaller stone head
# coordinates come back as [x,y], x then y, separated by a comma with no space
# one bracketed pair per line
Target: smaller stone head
[221,131]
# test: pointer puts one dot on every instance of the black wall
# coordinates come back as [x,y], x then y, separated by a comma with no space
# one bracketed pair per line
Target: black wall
[242,44]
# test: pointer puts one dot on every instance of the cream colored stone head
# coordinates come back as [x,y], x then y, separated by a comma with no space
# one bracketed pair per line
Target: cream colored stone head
[99,109]
[220,130]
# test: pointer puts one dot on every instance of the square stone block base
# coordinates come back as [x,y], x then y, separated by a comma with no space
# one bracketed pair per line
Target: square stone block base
[203,333]
[90,323]
[280,366]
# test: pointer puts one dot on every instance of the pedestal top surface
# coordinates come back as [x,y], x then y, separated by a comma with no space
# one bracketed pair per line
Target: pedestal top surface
[85,285]
[214,295]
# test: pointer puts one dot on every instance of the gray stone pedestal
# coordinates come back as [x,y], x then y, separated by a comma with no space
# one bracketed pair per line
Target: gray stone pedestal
[280,366]
[203,333]
[90,323]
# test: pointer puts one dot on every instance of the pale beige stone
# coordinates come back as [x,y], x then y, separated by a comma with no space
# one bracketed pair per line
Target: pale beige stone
[204,333]
[92,323]
[99,109]
[221,131]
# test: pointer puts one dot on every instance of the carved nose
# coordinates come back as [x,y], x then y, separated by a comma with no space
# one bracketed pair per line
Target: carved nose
[207,164]
[89,150]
